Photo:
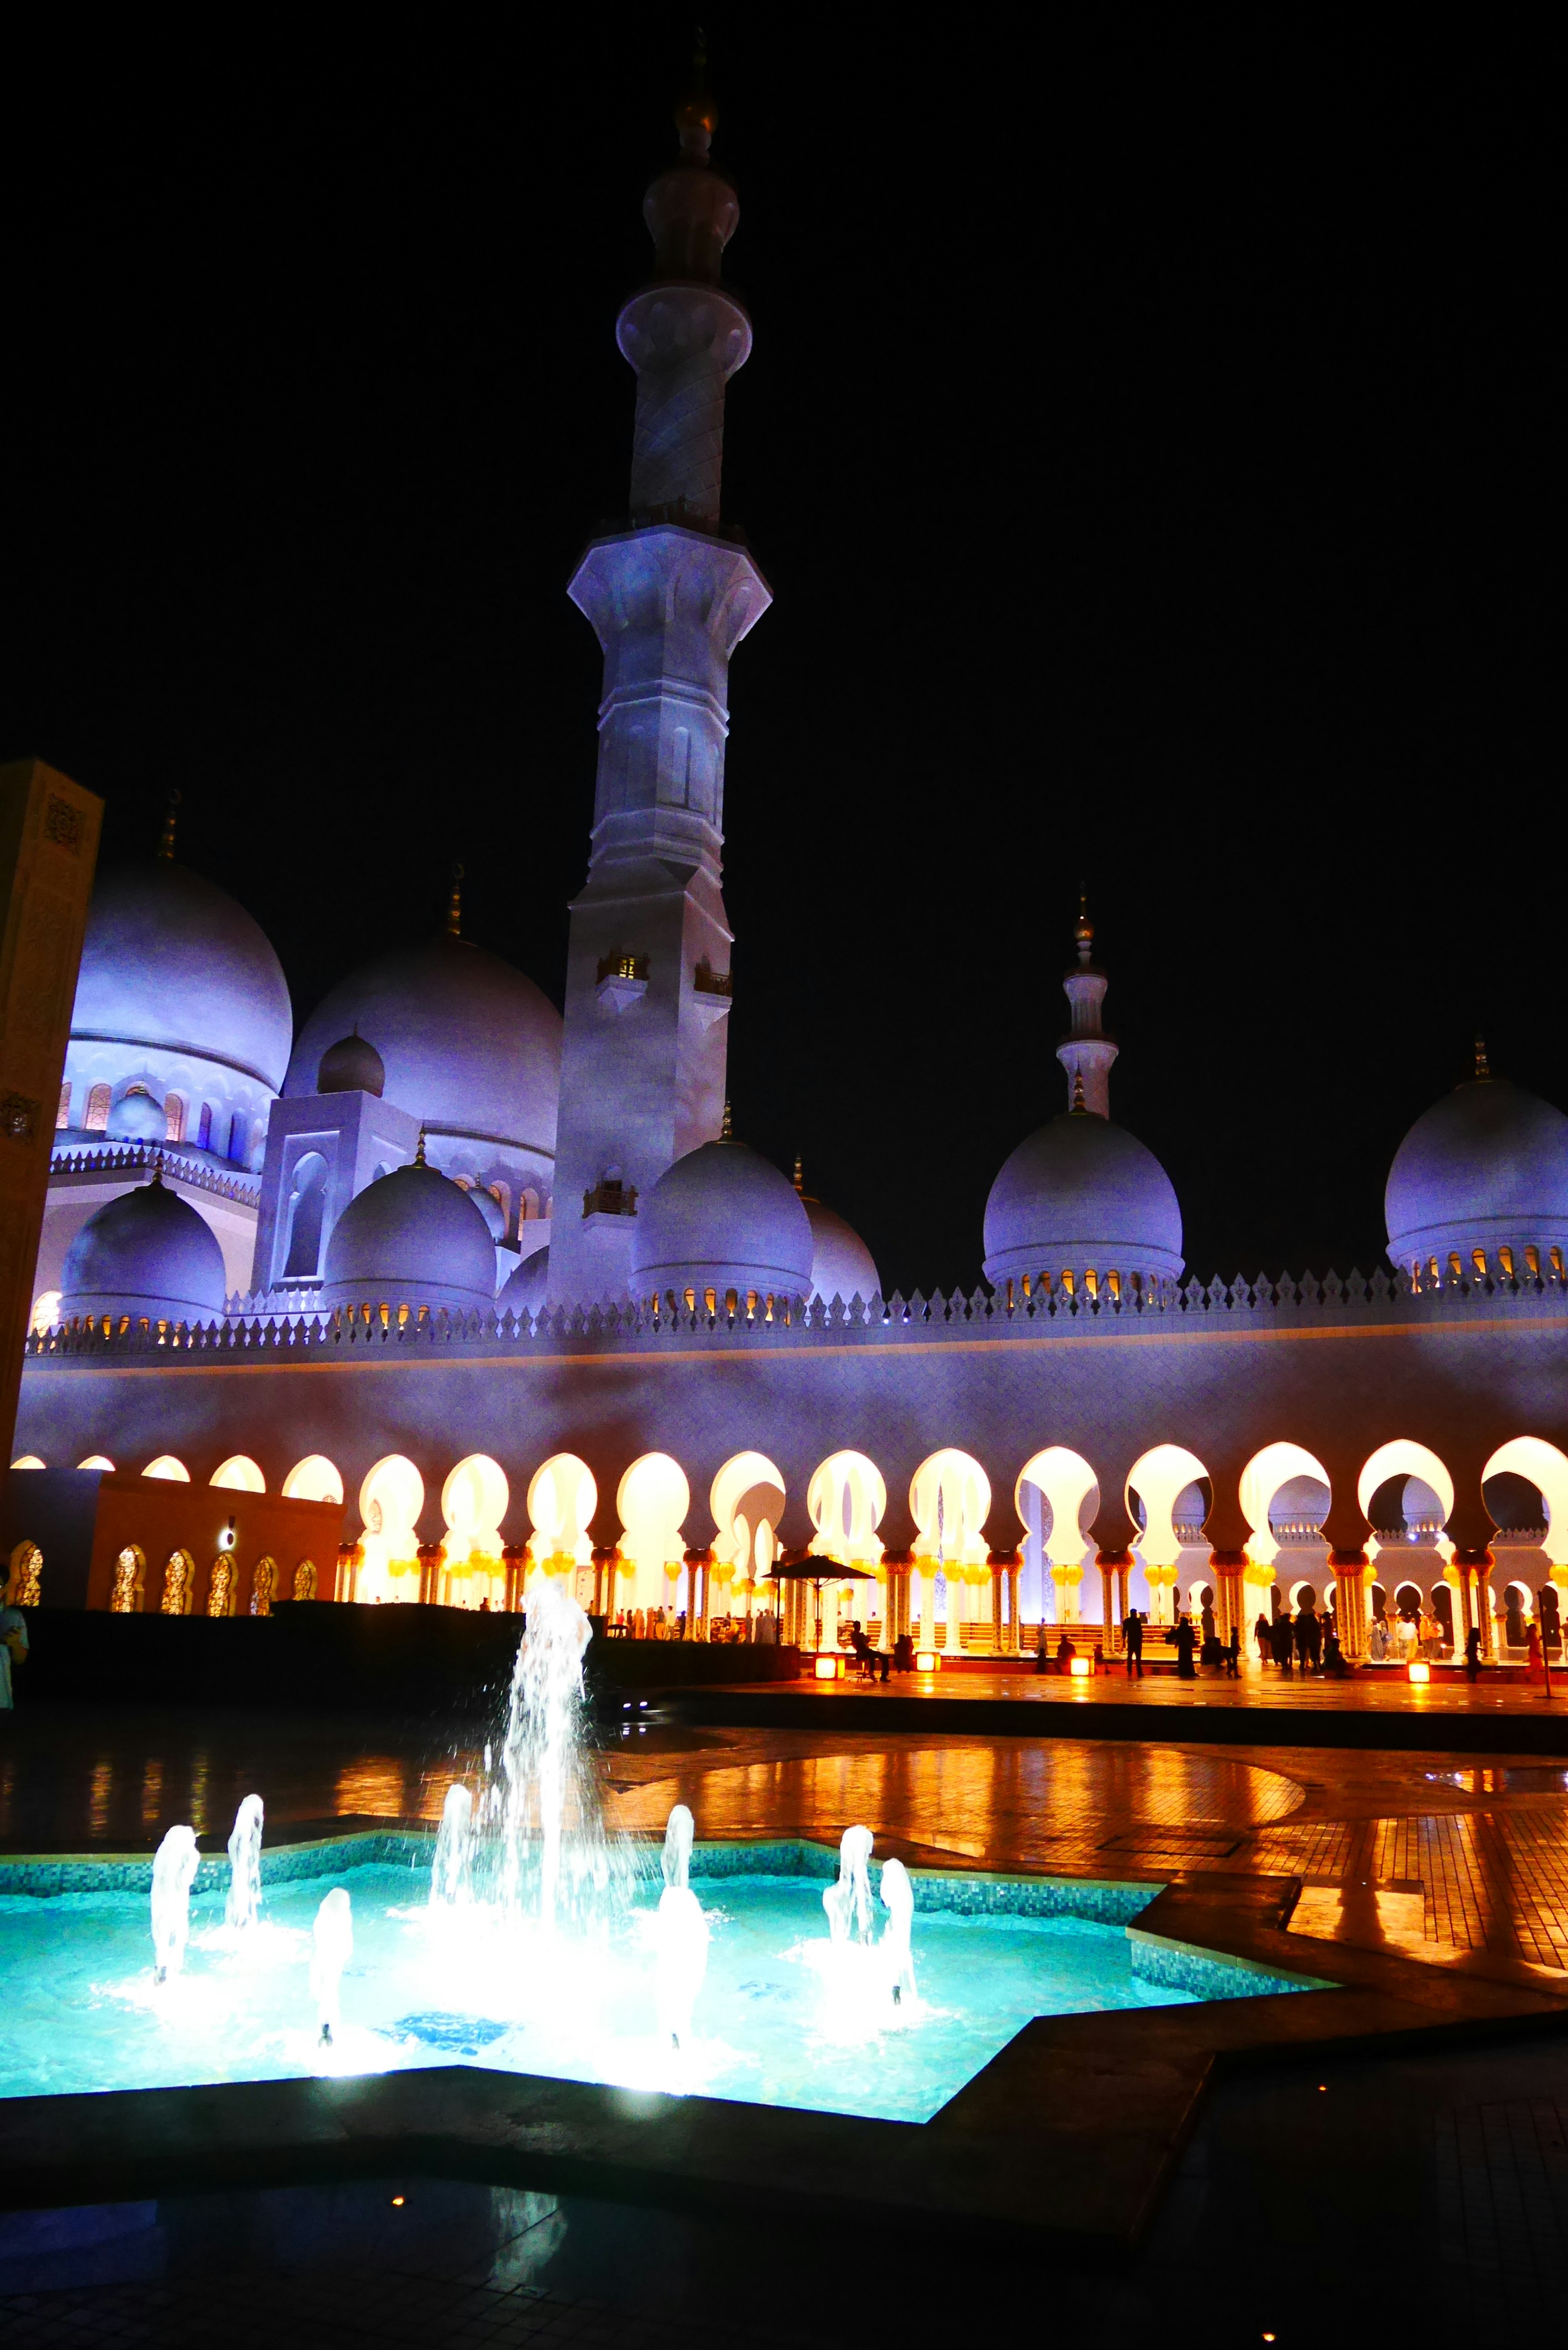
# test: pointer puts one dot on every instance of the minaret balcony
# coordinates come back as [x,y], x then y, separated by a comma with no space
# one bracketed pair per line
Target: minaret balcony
[610,1196]
[622,981]
[713,992]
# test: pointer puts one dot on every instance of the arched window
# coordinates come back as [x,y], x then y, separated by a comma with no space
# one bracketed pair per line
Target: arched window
[46,1310]
[305,1579]
[204,1127]
[179,1576]
[96,1116]
[173,1117]
[239,1474]
[63,1115]
[221,1589]
[306,1214]
[502,1195]
[27,1567]
[528,1206]
[130,1568]
[239,1140]
[264,1586]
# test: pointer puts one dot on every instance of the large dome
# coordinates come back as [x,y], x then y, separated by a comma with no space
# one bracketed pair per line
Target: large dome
[523,1291]
[414,1238]
[145,1252]
[1082,1195]
[841,1263]
[171,962]
[722,1217]
[1486,1167]
[470,1046]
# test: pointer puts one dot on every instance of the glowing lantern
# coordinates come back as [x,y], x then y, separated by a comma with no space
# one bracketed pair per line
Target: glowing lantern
[1082,1668]
[925,1660]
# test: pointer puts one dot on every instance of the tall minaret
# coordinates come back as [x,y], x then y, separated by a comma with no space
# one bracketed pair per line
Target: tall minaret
[648,974]
[1086,1051]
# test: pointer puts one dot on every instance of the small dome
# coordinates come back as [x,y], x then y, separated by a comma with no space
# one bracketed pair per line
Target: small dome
[352,1066]
[1486,1166]
[841,1263]
[172,961]
[1082,1193]
[524,1290]
[469,1045]
[413,1237]
[147,1252]
[137,1117]
[722,1217]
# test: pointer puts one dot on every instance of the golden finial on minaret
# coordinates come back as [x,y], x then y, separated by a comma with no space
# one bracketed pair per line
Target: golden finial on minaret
[1080,1108]
[454,904]
[696,116]
[420,1150]
[799,1174]
[1482,1068]
[727,1130]
[1083,929]
[166,846]
[157,1168]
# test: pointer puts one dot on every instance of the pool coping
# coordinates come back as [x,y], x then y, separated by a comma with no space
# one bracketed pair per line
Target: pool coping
[1067,2135]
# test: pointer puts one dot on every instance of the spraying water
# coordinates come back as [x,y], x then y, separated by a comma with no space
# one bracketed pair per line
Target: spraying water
[555,1862]
[680,1934]
[244,1865]
[452,1873]
[848,1903]
[332,1947]
[173,1874]
[898,1961]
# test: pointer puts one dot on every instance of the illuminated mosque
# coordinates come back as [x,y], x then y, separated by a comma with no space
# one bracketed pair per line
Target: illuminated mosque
[502,1280]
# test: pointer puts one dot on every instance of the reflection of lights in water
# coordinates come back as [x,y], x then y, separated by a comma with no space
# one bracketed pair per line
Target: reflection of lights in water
[152,1793]
[99,1799]
[373,1787]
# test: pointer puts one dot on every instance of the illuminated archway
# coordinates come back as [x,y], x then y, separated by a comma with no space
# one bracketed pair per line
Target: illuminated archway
[949,1499]
[1547,1469]
[562,1498]
[747,1499]
[96,1460]
[167,1467]
[239,1474]
[127,1590]
[473,1503]
[1157,1479]
[1054,1491]
[27,1460]
[651,1502]
[314,1478]
[391,1500]
[1266,1472]
[844,1501]
[179,1583]
[1403,1458]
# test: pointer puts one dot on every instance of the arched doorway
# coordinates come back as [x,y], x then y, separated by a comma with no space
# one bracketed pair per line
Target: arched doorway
[473,1503]
[651,1502]
[949,1499]
[391,1500]
[1056,1495]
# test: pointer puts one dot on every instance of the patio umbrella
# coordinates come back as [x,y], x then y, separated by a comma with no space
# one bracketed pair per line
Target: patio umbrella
[817,1572]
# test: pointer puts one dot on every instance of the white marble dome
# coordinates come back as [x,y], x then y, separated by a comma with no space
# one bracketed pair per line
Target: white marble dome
[171,962]
[722,1217]
[1082,1195]
[841,1263]
[470,1046]
[413,1237]
[523,1291]
[146,1253]
[1485,1167]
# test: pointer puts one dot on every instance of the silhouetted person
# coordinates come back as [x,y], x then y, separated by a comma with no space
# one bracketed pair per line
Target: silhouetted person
[1333,1659]
[1064,1655]
[1304,1630]
[1186,1641]
[1280,1640]
[1472,1653]
[1132,1632]
[1233,1653]
[1262,1632]
[1208,1620]
[864,1655]
[903,1654]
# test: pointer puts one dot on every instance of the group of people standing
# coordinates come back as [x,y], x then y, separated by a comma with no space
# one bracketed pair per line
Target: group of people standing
[1305,1641]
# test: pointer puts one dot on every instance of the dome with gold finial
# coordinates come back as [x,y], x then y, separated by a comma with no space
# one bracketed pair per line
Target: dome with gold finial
[841,1263]
[1484,1171]
[725,1219]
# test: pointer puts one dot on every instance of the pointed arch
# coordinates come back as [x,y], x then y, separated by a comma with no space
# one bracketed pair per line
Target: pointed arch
[314,1478]
[239,1474]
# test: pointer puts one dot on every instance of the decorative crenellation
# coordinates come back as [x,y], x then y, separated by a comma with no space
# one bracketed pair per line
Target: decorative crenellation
[117,1159]
[1230,1308]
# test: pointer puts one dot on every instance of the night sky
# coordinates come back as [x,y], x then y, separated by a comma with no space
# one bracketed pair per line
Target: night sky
[1150,456]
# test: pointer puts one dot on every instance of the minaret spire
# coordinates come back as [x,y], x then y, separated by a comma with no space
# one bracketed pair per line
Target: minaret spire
[454,904]
[670,598]
[1086,1051]
[171,811]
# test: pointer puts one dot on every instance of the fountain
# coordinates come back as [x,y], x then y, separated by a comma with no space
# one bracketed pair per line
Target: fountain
[898,1960]
[173,1874]
[241,1909]
[556,1866]
[848,1903]
[680,1934]
[332,1947]
[452,1872]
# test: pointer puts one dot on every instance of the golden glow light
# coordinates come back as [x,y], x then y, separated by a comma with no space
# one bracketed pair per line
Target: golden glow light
[826,1668]
[1082,1668]
[925,1660]
[1420,1672]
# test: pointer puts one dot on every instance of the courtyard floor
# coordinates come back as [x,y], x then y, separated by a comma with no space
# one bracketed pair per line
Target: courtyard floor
[1448,2162]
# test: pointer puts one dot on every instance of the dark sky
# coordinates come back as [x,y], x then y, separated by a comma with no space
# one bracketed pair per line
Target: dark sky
[1150,455]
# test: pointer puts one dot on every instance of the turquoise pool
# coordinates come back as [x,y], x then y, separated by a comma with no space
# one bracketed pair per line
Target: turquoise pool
[774,2022]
